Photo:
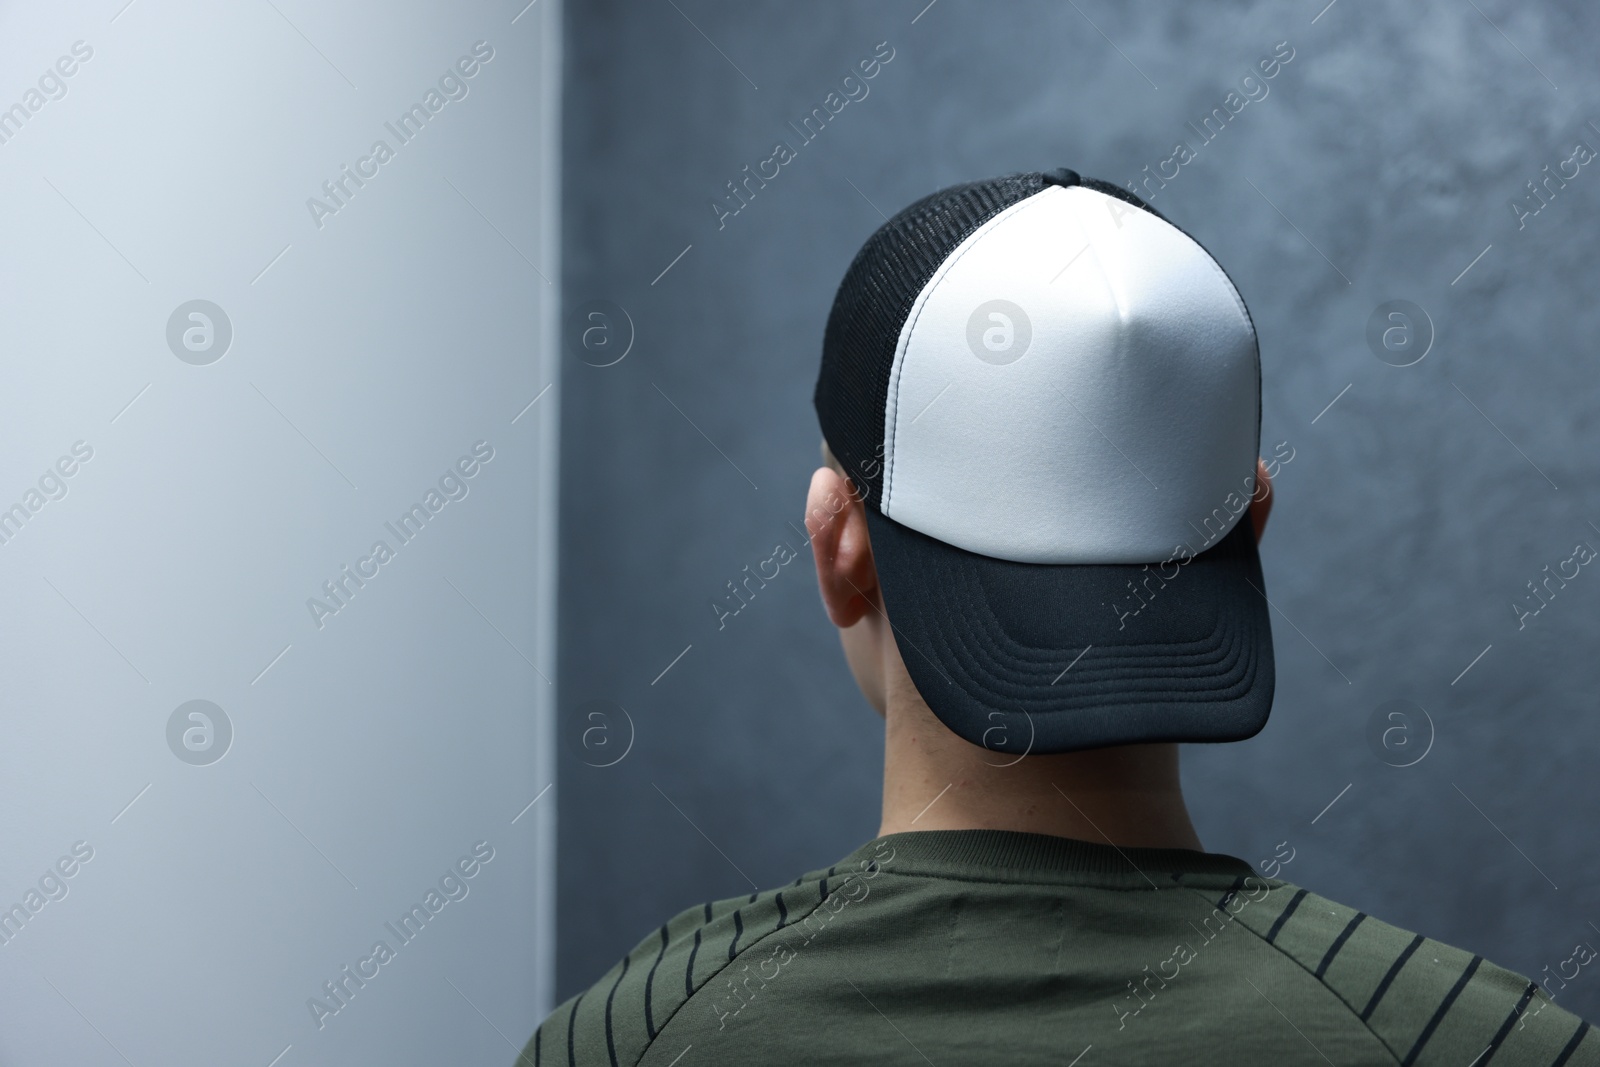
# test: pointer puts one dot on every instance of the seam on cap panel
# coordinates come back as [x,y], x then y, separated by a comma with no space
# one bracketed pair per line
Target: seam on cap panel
[1255,341]
[1238,301]
[1239,306]
[1100,269]
[902,346]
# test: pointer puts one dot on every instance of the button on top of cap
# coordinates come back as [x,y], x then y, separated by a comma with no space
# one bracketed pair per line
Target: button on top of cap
[1061,176]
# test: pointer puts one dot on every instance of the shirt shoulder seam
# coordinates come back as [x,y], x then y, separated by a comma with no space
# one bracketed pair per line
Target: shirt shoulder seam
[650,1042]
[1324,985]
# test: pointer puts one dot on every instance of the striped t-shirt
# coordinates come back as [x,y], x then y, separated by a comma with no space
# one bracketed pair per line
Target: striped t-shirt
[959,947]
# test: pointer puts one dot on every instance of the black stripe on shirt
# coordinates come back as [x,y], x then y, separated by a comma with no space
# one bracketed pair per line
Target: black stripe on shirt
[1294,902]
[1338,942]
[738,929]
[1439,1012]
[611,1044]
[688,972]
[1572,1046]
[783,912]
[1505,1028]
[572,1018]
[649,1019]
[1228,898]
[1394,969]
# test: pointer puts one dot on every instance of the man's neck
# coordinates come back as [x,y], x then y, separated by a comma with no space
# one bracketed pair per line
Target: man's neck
[1130,796]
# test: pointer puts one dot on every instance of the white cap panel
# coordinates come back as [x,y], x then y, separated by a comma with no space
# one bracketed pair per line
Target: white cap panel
[1129,418]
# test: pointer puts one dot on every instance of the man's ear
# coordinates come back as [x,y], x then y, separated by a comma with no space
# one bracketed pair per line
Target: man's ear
[836,519]
[1261,501]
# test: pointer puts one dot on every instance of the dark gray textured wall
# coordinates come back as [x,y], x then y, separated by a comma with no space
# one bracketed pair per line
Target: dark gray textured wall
[1382,161]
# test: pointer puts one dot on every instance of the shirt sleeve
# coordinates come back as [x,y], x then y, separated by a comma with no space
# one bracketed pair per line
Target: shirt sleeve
[1428,1002]
[615,1021]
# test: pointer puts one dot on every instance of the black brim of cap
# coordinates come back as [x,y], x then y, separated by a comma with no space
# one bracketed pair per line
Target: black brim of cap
[1047,658]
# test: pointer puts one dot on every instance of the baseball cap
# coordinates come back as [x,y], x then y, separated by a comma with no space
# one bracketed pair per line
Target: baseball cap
[1049,399]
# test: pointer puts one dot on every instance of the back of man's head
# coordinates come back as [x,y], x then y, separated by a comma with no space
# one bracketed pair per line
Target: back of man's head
[1046,401]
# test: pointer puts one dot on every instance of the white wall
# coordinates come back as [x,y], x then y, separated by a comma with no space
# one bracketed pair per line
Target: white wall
[374,747]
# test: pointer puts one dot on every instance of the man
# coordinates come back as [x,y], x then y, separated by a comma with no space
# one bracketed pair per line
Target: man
[1041,409]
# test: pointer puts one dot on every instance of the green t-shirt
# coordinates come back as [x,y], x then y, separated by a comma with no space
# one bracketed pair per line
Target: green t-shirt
[957,947]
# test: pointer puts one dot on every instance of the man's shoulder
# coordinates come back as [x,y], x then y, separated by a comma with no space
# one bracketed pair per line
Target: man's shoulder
[1333,969]
[617,1019]
[1428,1001]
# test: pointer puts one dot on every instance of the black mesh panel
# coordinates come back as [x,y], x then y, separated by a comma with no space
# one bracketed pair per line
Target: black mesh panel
[872,304]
